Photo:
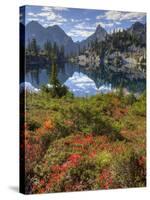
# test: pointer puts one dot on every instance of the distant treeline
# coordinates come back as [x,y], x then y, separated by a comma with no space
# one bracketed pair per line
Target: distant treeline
[51,50]
[118,41]
[122,41]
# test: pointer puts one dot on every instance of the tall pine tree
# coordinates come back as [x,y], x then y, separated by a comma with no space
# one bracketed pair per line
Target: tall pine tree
[53,80]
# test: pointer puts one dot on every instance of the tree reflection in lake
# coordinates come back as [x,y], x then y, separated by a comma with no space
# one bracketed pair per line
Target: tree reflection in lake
[88,81]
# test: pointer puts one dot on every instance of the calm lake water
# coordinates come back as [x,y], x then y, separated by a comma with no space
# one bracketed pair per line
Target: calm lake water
[84,81]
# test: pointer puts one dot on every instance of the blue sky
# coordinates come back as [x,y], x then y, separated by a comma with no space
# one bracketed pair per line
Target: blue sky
[81,23]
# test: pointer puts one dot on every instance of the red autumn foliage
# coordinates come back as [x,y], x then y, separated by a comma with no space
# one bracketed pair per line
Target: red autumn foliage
[42,181]
[141,161]
[74,158]
[48,124]
[82,140]
[105,179]
[92,154]
[57,173]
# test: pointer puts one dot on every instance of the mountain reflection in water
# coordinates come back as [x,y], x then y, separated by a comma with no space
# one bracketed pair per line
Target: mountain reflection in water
[81,85]
[84,82]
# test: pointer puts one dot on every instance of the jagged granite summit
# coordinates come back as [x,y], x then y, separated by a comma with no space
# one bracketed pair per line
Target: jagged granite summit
[56,34]
[99,34]
[51,33]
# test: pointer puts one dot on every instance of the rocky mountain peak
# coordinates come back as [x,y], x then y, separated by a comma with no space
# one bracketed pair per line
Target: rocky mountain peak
[137,26]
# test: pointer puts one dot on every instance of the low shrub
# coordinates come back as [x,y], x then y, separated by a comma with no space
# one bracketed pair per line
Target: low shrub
[103,159]
[82,177]
[139,108]
[75,144]
[33,125]
[127,170]
[130,99]
[55,91]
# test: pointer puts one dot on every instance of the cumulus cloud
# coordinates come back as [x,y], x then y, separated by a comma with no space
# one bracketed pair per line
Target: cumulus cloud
[121,16]
[100,17]
[31,14]
[118,23]
[48,14]
[81,30]
[75,20]
[79,33]
[61,8]
[46,8]
[84,26]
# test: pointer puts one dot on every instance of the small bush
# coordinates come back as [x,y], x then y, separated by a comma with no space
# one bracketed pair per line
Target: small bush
[82,177]
[69,95]
[58,92]
[130,99]
[33,125]
[128,172]
[45,88]
[139,108]
[103,159]
[46,139]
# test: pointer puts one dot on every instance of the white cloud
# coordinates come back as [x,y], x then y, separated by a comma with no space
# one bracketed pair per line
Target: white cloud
[105,25]
[48,14]
[49,9]
[85,30]
[113,15]
[33,19]
[118,23]
[133,15]
[52,23]
[120,16]
[32,14]
[100,17]
[75,20]
[46,25]
[55,17]
[81,30]
[45,8]
[79,33]
[45,14]
[60,8]
[41,20]
[133,20]
[84,26]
